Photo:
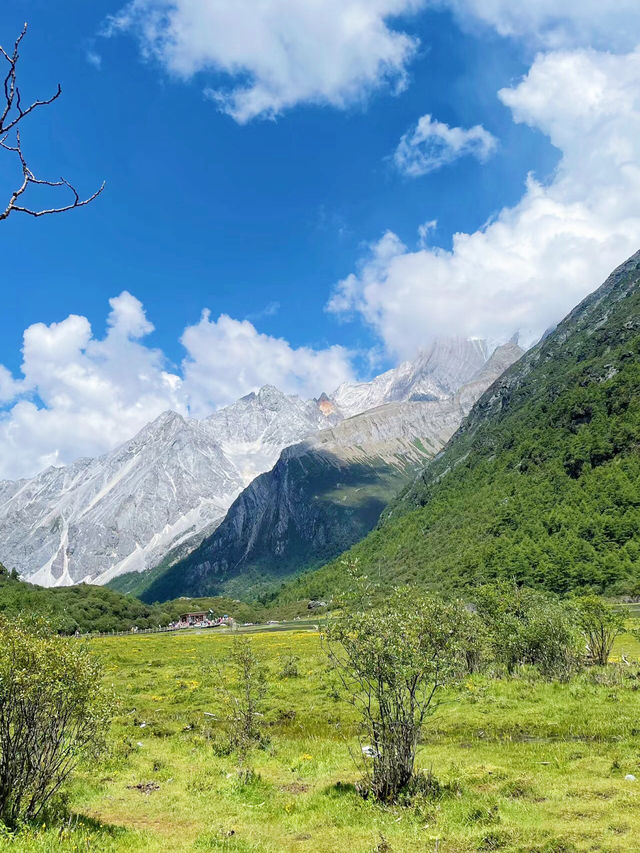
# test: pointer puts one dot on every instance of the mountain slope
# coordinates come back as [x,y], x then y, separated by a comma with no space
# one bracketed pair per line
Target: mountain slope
[323,494]
[542,481]
[152,500]
[165,489]
[435,374]
[252,431]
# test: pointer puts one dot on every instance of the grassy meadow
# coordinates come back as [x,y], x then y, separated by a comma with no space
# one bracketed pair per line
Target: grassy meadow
[524,765]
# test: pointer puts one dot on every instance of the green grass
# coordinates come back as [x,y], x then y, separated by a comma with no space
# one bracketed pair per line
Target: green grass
[528,766]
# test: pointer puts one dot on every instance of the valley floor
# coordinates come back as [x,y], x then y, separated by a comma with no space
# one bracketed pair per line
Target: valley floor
[525,765]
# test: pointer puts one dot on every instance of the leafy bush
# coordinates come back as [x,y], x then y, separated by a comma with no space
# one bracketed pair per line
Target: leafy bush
[391,661]
[53,713]
[600,624]
[475,640]
[528,627]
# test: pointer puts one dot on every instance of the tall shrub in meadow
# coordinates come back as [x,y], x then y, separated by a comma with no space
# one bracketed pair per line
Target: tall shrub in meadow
[600,624]
[54,712]
[392,661]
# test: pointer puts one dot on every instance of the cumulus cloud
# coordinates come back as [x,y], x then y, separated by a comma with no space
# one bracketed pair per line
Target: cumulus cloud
[610,24]
[276,53]
[9,387]
[81,396]
[279,53]
[431,144]
[531,263]
[227,358]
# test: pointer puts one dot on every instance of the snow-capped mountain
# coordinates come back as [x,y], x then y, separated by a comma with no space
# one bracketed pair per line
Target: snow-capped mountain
[435,374]
[324,493]
[173,482]
[253,431]
[171,485]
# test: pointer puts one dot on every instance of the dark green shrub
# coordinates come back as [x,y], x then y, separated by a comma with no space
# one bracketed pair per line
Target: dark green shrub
[600,625]
[53,713]
[391,662]
[529,627]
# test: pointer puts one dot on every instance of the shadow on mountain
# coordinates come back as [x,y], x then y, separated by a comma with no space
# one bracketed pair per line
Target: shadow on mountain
[309,508]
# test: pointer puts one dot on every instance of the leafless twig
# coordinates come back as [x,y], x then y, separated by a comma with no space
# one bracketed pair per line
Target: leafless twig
[11,114]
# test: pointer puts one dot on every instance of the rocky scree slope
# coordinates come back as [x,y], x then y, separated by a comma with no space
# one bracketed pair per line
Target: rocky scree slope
[323,494]
[165,489]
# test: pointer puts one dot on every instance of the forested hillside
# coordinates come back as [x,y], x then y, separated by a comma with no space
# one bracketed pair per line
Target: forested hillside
[88,609]
[542,481]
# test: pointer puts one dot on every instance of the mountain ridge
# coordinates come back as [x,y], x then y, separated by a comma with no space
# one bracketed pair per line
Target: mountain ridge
[163,491]
[323,494]
[541,482]
[435,374]
[174,480]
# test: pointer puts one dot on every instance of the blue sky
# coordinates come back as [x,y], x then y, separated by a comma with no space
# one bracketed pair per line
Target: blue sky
[202,212]
[260,218]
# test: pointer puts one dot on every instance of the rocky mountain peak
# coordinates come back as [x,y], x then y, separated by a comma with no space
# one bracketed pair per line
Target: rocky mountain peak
[326,492]
[436,373]
[169,484]
[269,395]
[167,423]
[172,483]
[326,405]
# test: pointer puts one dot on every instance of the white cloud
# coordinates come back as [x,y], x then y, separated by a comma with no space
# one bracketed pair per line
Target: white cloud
[9,387]
[93,58]
[91,54]
[424,232]
[432,144]
[81,396]
[275,53]
[227,358]
[609,24]
[531,263]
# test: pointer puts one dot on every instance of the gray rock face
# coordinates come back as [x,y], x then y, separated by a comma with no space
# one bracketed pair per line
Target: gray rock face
[435,374]
[253,431]
[171,485]
[324,493]
[174,481]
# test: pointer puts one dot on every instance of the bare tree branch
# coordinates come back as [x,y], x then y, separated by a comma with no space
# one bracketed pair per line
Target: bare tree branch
[10,115]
